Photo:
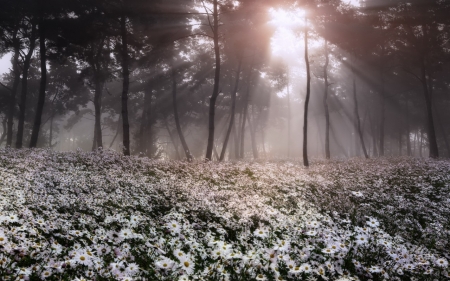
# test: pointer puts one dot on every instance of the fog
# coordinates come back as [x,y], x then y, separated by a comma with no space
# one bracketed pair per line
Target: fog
[226,80]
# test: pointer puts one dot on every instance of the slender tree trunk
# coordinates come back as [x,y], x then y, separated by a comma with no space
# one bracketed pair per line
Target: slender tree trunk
[288,119]
[4,133]
[43,82]
[172,139]
[253,137]
[408,131]
[308,93]
[358,121]
[12,101]
[23,94]
[325,104]
[421,144]
[177,119]
[145,137]
[431,133]
[212,102]
[244,118]
[238,137]
[126,85]
[50,138]
[98,141]
[442,129]
[117,131]
[233,109]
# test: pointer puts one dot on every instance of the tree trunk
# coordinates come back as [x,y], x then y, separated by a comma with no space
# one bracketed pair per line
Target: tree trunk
[98,142]
[177,119]
[358,121]
[421,144]
[252,136]
[4,133]
[382,112]
[172,139]
[212,102]
[145,138]
[12,101]
[442,129]
[126,84]
[233,109]
[308,92]
[117,131]
[408,131]
[50,138]
[288,119]
[23,94]
[43,83]
[432,142]
[325,104]
[244,118]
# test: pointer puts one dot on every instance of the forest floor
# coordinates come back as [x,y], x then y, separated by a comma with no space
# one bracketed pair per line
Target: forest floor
[102,216]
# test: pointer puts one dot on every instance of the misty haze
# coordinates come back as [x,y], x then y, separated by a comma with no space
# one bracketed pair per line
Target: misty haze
[224,140]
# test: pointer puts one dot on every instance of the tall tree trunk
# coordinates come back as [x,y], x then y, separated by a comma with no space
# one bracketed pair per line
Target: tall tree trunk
[325,103]
[233,109]
[4,133]
[50,138]
[126,84]
[288,119]
[408,131]
[23,94]
[12,101]
[98,141]
[43,82]
[308,93]
[177,119]
[421,144]
[117,131]
[212,102]
[357,119]
[172,139]
[382,111]
[442,129]
[431,133]
[252,127]
[145,137]
[244,118]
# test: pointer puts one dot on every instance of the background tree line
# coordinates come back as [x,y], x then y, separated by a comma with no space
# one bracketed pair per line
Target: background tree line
[187,79]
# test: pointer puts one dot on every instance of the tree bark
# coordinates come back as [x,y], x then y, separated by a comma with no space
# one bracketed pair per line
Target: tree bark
[357,119]
[23,94]
[98,142]
[12,101]
[126,84]
[252,127]
[325,103]
[233,109]
[177,119]
[308,93]
[172,139]
[432,142]
[408,131]
[212,102]
[382,111]
[43,83]
[288,119]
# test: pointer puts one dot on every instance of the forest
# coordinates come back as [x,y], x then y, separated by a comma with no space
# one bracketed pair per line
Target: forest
[224,140]
[227,79]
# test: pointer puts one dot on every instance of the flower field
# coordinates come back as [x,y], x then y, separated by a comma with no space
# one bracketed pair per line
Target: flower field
[101,216]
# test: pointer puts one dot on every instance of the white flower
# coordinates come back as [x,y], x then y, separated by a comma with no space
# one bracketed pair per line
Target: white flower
[260,232]
[260,277]
[357,193]
[165,263]
[187,264]
[126,234]
[361,239]
[372,222]
[306,268]
[442,262]
[174,227]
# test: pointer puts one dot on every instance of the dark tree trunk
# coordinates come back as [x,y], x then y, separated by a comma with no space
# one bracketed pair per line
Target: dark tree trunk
[237,137]
[244,119]
[126,84]
[408,131]
[177,119]
[382,113]
[325,104]
[23,94]
[172,139]
[145,137]
[233,109]
[12,101]
[252,128]
[98,142]
[308,93]
[442,129]
[431,133]
[4,133]
[117,131]
[357,119]
[288,120]
[421,144]
[42,86]
[50,138]
[212,102]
